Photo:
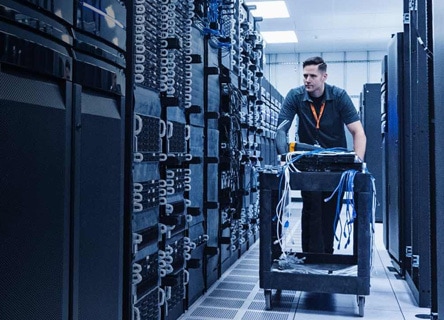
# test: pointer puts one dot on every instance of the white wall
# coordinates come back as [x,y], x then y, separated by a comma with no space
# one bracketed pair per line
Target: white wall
[347,70]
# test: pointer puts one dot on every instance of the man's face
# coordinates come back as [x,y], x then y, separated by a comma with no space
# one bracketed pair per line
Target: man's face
[314,80]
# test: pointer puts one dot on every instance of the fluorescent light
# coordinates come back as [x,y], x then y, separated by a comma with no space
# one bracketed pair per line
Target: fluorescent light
[270,9]
[279,36]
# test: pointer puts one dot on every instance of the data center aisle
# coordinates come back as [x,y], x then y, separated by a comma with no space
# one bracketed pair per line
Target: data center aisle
[237,296]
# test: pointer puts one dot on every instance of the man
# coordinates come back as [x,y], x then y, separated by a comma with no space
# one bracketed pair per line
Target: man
[322,111]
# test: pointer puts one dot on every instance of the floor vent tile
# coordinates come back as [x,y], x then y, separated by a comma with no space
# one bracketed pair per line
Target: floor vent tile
[214,313]
[222,303]
[239,279]
[236,286]
[240,272]
[251,315]
[230,294]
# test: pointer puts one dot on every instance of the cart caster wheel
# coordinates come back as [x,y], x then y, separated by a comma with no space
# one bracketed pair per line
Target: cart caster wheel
[267,294]
[361,305]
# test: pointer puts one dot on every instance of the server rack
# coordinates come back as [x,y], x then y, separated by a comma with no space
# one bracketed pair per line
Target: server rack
[396,88]
[437,153]
[195,119]
[385,164]
[407,140]
[35,196]
[417,126]
[99,152]
[35,143]
[211,152]
[371,118]
[98,208]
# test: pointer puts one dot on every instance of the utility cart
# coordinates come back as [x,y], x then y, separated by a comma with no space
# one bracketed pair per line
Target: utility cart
[272,276]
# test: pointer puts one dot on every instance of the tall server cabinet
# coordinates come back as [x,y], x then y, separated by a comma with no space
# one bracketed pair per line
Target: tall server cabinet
[148,129]
[371,118]
[99,119]
[98,218]
[394,150]
[384,169]
[35,140]
[162,240]
[417,157]
[408,174]
[437,167]
[62,73]
[34,201]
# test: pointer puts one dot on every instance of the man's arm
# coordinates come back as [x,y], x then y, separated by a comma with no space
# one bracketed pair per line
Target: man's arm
[285,119]
[359,138]
[281,136]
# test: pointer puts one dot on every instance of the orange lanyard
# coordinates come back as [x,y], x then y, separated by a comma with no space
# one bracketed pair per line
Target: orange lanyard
[315,115]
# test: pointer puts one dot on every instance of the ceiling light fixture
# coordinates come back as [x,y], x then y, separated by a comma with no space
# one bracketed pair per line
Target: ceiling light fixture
[269,9]
[279,36]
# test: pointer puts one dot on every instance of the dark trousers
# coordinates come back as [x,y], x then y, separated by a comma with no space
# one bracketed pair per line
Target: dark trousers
[318,221]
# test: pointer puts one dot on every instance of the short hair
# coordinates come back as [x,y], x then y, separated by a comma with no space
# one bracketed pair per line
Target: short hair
[315,61]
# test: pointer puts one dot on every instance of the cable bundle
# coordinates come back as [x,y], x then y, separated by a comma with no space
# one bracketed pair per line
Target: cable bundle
[284,197]
[281,208]
[346,184]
